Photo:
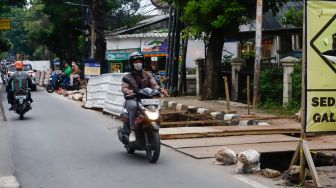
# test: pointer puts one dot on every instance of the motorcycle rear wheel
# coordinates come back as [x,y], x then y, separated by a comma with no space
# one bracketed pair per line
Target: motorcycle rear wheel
[21,112]
[153,150]
[130,150]
[50,88]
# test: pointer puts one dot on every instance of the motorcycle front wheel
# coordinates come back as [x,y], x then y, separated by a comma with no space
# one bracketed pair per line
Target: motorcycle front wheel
[154,146]
[50,88]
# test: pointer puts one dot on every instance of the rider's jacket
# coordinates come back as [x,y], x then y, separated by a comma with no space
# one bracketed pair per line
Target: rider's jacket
[19,79]
[138,80]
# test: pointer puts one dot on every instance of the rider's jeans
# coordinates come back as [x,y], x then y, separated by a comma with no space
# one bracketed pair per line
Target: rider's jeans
[65,81]
[131,107]
[72,78]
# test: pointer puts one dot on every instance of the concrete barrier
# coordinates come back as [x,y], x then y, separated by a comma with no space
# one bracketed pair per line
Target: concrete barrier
[114,101]
[104,92]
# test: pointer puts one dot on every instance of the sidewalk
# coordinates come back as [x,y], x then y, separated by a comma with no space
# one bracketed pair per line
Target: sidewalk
[6,164]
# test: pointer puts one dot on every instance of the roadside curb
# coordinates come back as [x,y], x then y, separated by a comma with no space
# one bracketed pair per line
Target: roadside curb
[231,117]
[9,182]
[2,112]
[173,105]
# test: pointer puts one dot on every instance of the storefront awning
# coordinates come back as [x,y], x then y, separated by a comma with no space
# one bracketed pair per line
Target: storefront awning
[155,54]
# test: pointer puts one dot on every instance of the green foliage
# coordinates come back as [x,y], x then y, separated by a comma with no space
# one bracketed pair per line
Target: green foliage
[271,86]
[4,45]
[293,17]
[226,62]
[271,92]
[297,83]
[5,7]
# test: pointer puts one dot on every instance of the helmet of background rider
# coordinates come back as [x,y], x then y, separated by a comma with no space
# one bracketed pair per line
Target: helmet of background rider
[19,65]
[135,59]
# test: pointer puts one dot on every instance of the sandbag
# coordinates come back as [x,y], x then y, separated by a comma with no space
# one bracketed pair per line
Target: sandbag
[225,156]
[248,162]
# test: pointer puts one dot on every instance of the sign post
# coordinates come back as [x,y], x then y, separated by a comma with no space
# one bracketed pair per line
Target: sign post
[318,79]
[5,24]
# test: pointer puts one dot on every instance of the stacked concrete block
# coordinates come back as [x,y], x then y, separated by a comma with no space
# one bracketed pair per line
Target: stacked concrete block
[234,119]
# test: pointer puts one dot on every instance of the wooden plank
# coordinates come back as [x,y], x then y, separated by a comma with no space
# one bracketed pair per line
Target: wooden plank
[310,163]
[289,121]
[229,140]
[199,132]
[209,152]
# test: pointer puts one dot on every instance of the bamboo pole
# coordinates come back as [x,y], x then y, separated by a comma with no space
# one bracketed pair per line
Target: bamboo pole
[227,95]
[248,95]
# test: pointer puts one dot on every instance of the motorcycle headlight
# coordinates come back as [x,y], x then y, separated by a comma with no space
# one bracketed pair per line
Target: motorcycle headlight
[152,115]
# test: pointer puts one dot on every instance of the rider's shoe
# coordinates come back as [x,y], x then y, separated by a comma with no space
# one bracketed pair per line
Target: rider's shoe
[132,137]
[11,108]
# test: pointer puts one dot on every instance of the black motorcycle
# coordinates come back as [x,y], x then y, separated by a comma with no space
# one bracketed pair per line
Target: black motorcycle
[147,125]
[21,102]
[56,81]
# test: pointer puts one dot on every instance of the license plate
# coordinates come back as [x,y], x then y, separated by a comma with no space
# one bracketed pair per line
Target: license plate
[20,97]
[150,102]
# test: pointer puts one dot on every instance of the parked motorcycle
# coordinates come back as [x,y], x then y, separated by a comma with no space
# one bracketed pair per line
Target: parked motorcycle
[21,102]
[147,125]
[56,81]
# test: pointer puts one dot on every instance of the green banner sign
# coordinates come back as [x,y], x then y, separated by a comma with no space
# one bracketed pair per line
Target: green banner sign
[120,55]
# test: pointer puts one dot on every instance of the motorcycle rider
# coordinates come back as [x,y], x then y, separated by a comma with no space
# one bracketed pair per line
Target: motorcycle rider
[75,72]
[67,73]
[19,80]
[135,80]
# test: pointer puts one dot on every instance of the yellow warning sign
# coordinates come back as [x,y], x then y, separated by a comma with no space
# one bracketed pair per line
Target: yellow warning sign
[321,66]
[5,24]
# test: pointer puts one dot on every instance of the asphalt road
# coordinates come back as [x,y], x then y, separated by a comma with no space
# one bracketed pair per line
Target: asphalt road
[62,145]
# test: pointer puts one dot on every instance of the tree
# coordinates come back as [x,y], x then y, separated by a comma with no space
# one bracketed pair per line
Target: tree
[5,6]
[217,19]
[110,15]
[293,17]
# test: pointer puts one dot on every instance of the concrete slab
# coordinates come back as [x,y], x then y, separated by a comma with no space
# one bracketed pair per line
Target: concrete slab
[9,182]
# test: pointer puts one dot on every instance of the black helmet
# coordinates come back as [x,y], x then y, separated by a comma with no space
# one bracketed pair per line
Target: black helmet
[135,56]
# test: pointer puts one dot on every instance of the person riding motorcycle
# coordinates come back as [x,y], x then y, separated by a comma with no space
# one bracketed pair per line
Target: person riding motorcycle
[67,72]
[75,72]
[135,80]
[19,80]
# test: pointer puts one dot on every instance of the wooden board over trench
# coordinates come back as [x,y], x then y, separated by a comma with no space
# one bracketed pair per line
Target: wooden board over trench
[215,131]
[202,148]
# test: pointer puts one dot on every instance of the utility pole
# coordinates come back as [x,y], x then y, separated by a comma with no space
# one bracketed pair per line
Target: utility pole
[170,23]
[258,46]
[175,71]
[171,49]
[93,37]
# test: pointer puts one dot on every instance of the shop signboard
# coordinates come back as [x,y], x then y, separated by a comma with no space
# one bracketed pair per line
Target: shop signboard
[5,24]
[91,69]
[120,55]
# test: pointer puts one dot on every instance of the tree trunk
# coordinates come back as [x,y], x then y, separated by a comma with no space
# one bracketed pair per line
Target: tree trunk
[99,12]
[213,61]
[183,81]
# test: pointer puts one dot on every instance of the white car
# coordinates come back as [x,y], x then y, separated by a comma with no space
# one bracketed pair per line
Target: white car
[28,69]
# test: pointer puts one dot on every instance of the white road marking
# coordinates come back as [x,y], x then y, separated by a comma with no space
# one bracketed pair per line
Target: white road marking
[249,181]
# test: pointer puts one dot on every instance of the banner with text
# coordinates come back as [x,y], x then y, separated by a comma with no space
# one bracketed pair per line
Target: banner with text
[321,66]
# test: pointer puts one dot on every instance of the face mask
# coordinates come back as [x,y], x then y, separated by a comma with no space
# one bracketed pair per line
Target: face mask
[137,66]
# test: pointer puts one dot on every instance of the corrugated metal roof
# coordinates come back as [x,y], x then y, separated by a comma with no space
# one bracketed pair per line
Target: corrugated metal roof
[141,24]
[141,35]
